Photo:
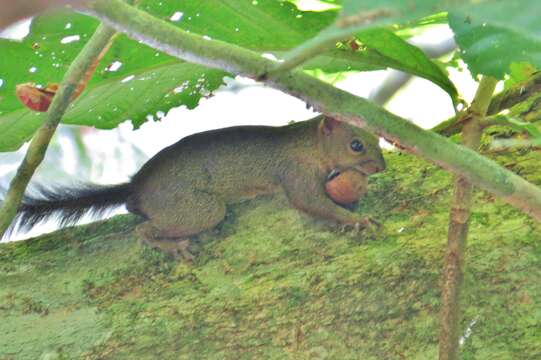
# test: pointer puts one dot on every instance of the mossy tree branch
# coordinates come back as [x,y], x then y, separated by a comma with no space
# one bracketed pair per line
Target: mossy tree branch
[324,98]
[516,94]
[261,291]
[38,146]
[458,228]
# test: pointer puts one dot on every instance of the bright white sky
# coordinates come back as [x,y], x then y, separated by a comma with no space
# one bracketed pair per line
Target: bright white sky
[420,101]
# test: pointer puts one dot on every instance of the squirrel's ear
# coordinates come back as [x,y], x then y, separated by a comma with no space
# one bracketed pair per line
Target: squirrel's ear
[327,125]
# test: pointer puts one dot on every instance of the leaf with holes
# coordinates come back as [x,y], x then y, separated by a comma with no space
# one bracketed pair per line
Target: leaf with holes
[133,80]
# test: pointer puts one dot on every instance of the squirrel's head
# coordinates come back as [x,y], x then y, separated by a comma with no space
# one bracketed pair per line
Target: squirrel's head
[346,146]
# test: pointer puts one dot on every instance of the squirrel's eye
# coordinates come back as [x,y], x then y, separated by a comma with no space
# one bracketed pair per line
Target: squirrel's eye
[357,146]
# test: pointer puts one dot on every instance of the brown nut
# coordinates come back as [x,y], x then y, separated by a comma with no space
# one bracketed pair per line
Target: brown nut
[347,187]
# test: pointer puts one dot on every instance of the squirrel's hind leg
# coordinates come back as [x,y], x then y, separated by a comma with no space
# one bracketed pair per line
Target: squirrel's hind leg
[170,227]
[178,248]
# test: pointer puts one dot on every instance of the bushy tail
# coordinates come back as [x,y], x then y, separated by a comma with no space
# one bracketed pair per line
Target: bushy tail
[67,204]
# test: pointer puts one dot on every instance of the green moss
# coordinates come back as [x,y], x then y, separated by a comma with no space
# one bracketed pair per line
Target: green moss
[273,283]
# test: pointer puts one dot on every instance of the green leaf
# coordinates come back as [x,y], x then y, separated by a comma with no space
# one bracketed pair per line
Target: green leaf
[492,35]
[396,53]
[359,16]
[158,82]
[340,60]
[370,12]
[262,25]
[147,81]
[518,73]
[381,49]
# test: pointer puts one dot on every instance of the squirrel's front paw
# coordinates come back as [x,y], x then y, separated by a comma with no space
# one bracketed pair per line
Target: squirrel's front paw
[364,224]
[368,223]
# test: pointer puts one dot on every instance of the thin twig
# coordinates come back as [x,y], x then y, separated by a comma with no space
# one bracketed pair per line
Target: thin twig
[342,29]
[38,146]
[504,100]
[458,228]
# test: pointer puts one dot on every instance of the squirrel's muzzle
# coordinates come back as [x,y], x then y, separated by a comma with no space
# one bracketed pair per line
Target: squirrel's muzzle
[369,167]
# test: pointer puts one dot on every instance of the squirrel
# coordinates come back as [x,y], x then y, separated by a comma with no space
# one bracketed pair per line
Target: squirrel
[185,188]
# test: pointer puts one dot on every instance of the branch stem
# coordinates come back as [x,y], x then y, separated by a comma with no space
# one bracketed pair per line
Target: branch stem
[38,146]
[504,100]
[458,227]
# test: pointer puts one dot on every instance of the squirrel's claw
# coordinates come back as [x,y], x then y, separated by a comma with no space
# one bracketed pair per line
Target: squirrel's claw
[366,223]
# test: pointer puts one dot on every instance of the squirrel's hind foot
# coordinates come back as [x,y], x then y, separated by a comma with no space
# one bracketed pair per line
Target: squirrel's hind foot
[175,247]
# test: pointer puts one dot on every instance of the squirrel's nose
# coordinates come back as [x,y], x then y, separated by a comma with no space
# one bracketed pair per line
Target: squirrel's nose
[373,166]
